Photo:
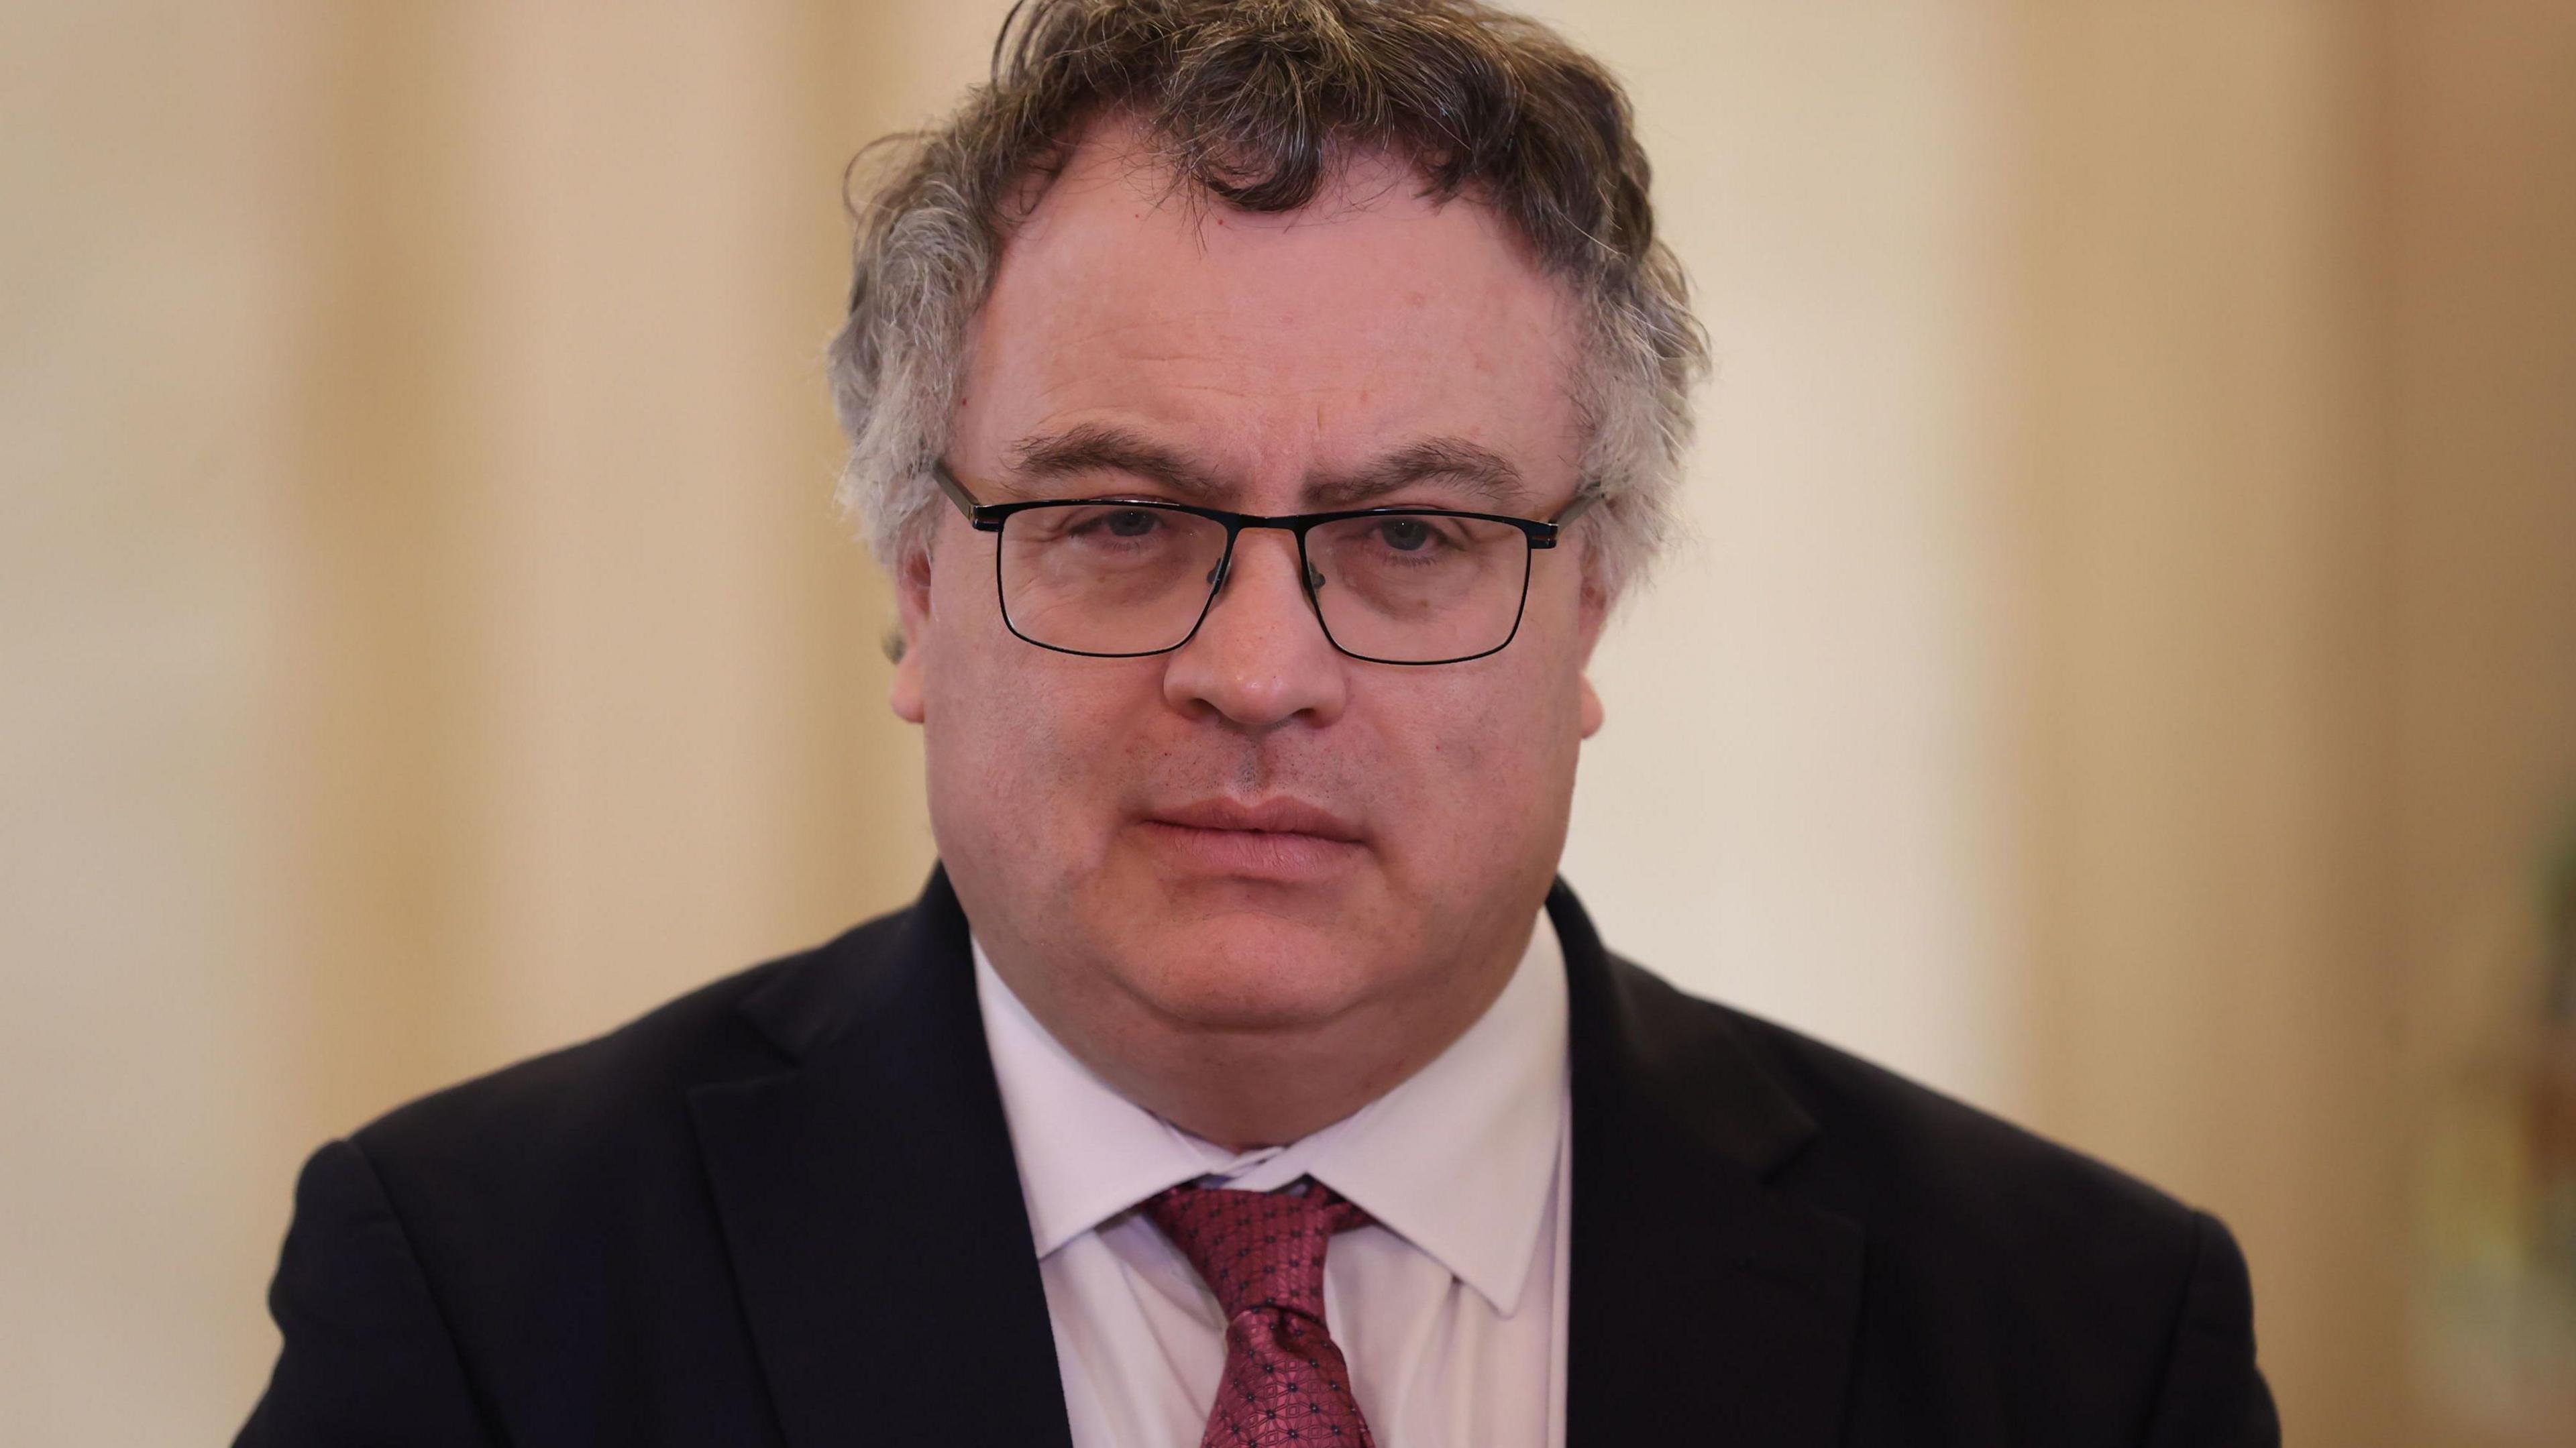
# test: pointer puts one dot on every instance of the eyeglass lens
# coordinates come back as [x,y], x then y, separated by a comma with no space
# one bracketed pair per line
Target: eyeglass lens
[1118,578]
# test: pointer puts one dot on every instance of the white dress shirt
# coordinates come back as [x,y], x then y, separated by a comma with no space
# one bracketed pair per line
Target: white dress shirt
[1450,1310]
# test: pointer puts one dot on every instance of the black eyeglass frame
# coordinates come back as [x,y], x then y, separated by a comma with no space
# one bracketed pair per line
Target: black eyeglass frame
[989,518]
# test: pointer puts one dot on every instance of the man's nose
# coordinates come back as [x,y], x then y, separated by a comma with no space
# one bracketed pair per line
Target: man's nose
[1260,657]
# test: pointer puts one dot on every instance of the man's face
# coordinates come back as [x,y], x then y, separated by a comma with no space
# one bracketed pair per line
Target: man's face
[1095,813]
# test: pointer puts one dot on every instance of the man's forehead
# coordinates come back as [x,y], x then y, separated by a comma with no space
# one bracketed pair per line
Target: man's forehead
[1116,211]
[1366,323]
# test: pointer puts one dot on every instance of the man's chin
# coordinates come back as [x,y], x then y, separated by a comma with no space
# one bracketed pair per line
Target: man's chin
[1248,969]
[1216,1002]
[1229,889]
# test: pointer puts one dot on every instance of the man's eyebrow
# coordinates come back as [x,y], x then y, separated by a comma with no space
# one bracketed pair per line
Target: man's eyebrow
[1097,447]
[1481,471]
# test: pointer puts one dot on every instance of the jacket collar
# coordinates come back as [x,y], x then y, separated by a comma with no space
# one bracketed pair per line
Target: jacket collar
[873,1210]
[870,1202]
[1709,1303]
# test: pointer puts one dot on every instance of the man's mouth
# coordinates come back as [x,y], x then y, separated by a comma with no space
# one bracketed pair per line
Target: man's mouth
[1279,839]
[1281,815]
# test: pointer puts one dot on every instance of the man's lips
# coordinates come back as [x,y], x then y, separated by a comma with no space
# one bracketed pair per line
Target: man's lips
[1283,841]
[1280,816]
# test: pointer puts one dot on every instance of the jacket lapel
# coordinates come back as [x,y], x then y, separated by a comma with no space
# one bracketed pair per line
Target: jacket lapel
[1709,1305]
[872,1205]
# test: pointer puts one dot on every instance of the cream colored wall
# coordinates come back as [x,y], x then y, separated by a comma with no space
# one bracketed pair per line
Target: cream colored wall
[2204,535]
[2298,549]
[153,1018]
[1796,803]
[2123,670]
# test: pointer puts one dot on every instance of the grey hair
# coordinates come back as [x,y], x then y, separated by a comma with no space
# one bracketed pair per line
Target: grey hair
[1249,102]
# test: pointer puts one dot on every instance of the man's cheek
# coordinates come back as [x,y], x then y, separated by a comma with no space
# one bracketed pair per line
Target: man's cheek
[1466,742]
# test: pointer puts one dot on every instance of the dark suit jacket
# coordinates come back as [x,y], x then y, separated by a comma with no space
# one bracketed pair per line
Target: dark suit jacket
[784,1210]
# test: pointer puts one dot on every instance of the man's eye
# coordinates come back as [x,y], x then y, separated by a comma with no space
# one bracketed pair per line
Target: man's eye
[1406,535]
[1127,523]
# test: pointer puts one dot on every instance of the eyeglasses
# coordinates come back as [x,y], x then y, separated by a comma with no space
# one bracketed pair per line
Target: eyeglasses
[1122,578]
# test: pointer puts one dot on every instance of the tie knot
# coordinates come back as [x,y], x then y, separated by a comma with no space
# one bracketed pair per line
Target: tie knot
[1257,1249]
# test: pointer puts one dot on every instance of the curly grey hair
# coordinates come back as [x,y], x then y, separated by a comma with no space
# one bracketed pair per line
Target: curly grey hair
[1249,102]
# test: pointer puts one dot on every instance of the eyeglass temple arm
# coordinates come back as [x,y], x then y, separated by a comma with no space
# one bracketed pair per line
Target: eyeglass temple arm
[1583,503]
[957,493]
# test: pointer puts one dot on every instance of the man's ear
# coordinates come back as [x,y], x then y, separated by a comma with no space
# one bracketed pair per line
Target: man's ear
[912,633]
[1595,604]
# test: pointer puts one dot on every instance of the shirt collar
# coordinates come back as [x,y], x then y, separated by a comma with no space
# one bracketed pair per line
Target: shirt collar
[1488,1110]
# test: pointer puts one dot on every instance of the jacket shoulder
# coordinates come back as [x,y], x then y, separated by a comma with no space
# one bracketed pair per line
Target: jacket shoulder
[1918,1155]
[490,1244]
[1990,1246]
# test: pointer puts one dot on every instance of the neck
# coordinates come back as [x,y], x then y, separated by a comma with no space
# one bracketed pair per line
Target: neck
[1244,1088]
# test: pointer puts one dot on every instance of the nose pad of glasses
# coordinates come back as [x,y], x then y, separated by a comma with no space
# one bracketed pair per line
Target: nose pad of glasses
[1216,575]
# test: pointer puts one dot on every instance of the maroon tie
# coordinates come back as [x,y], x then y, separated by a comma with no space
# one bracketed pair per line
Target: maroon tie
[1263,1255]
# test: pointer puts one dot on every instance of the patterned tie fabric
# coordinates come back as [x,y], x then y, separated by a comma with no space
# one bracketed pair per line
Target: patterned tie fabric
[1263,1254]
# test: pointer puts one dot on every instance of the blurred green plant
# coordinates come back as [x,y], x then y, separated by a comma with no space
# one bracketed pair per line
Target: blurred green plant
[2496,1178]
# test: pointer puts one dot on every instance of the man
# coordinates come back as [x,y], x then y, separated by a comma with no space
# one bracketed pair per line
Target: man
[1261,404]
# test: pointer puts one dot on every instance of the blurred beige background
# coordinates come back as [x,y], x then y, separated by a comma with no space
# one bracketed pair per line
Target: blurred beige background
[2124,671]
